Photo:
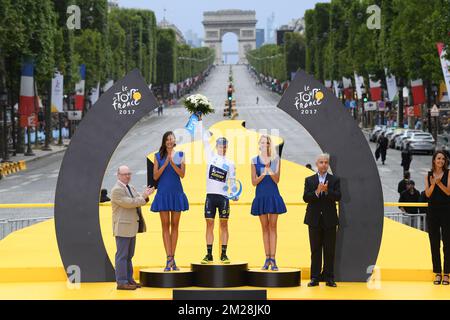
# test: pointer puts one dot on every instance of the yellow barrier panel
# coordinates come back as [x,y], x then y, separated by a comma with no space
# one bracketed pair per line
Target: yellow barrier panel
[22,165]
[8,168]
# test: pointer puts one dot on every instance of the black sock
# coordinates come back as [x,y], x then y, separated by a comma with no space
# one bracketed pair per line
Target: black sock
[209,249]
[224,249]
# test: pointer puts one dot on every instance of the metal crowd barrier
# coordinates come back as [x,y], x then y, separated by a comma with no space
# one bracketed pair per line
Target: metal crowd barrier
[417,221]
[11,225]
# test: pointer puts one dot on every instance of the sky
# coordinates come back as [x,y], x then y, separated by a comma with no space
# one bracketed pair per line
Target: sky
[188,14]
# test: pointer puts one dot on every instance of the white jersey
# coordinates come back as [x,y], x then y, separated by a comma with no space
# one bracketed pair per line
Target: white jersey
[218,168]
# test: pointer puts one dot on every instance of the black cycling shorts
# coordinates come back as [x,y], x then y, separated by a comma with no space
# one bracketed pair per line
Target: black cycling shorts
[219,202]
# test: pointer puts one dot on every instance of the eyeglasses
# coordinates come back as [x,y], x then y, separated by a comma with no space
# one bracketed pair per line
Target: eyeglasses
[126,174]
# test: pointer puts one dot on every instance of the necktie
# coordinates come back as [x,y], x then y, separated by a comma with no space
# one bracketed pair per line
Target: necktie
[138,209]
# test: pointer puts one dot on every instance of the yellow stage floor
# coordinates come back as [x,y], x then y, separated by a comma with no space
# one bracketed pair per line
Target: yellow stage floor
[389,290]
[31,268]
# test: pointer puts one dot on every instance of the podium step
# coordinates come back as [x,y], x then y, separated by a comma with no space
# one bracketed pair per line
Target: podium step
[220,275]
[284,277]
[157,278]
[217,275]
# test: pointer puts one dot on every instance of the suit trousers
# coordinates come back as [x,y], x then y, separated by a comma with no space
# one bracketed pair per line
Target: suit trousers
[124,254]
[323,243]
[438,224]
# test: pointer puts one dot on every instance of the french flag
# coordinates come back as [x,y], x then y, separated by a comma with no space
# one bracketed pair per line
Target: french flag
[375,89]
[418,91]
[348,91]
[26,102]
[79,89]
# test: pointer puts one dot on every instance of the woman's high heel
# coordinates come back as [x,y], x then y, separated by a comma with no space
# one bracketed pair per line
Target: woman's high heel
[266,264]
[274,265]
[437,279]
[174,265]
[168,264]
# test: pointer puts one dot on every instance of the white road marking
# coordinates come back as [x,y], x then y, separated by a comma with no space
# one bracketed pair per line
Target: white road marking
[34,176]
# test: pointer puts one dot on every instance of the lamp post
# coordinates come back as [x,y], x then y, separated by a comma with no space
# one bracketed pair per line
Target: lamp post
[434,112]
[434,91]
[60,122]
[400,118]
[4,104]
[48,120]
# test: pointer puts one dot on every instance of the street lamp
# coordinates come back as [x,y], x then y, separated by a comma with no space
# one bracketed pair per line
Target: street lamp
[434,88]
[434,112]
[4,104]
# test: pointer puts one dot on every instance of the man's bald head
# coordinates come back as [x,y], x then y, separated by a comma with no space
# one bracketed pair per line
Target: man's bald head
[123,169]
[124,174]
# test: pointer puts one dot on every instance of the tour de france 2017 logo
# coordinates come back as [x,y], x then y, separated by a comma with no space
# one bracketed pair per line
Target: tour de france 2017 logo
[125,101]
[308,99]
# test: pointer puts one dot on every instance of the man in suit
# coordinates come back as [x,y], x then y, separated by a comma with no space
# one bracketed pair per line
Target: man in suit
[322,190]
[127,222]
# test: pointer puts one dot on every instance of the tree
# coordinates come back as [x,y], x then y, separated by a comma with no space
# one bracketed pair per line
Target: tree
[166,57]
[295,49]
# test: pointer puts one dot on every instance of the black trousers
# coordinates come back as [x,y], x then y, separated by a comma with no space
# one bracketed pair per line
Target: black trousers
[438,224]
[383,154]
[323,243]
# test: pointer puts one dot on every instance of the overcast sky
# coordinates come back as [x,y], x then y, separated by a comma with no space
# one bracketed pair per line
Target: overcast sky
[188,14]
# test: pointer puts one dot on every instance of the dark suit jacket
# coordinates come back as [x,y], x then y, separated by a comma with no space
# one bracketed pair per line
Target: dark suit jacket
[324,205]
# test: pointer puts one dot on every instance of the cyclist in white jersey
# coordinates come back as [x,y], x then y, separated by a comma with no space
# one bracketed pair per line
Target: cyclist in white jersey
[218,170]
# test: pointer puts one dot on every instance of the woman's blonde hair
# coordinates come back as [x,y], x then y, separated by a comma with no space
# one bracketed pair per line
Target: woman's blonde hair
[271,152]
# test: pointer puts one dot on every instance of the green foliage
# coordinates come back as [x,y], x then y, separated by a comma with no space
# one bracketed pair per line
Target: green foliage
[295,50]
[166,57]
[338,41]
[269,60]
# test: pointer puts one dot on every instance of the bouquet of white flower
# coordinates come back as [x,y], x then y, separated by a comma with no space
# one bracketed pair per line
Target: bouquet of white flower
[198,104]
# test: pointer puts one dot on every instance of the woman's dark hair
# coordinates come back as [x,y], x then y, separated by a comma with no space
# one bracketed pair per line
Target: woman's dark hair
[163,149]
[433,167]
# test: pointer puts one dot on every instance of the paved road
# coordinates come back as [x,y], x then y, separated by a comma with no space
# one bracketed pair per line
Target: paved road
[37,184]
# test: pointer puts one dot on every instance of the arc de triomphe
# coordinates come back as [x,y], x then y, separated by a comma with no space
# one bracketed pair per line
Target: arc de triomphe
[242,23]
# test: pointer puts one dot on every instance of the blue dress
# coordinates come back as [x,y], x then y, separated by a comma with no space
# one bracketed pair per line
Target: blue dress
[267,197]
[170,195]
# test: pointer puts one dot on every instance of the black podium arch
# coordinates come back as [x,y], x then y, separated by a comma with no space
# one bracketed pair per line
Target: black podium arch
[361,209]
[77,220]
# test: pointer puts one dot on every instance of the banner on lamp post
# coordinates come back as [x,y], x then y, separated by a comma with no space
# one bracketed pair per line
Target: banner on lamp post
[336,88]
[375,89]
[418,91]
[79,89]
[391,84]
[57,93]
[95,94]
[445,65]
[359,82]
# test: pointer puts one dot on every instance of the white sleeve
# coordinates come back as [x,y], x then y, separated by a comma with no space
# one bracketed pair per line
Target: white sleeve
[204,134]
[232,171]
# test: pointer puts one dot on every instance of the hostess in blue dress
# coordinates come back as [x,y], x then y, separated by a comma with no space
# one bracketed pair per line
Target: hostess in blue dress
[170,195]
[267,197]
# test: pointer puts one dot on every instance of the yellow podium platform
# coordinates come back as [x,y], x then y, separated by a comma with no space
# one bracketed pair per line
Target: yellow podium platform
[31,267]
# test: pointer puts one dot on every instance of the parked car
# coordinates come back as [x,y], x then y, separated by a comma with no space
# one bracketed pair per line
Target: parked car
[443,143]
[420,142]
[406,134]
[376,129]
[378,134]
[389,132]
[397,132]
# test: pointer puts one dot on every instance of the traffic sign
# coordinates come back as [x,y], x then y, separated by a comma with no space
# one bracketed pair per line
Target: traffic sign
[370,106]
[74,115]
[434,111]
